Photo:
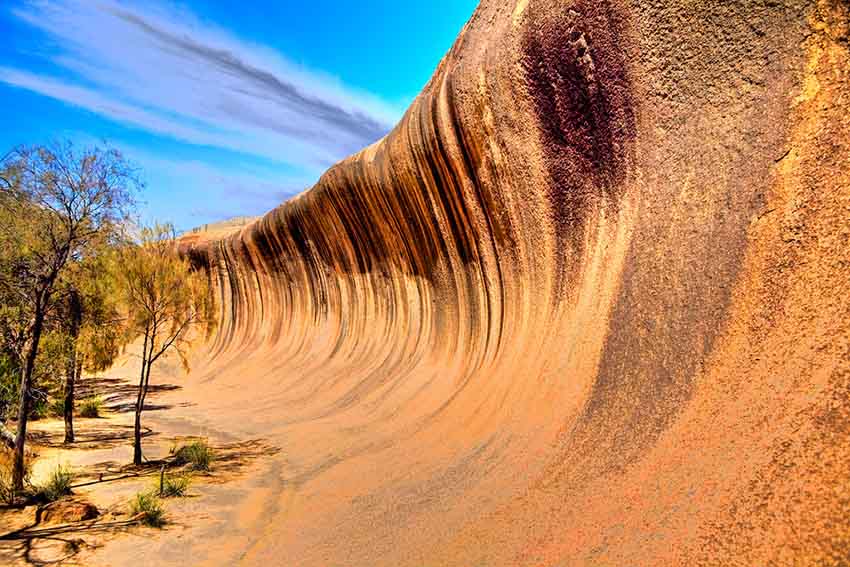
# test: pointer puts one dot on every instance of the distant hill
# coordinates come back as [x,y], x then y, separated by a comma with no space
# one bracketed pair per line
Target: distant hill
[221,228]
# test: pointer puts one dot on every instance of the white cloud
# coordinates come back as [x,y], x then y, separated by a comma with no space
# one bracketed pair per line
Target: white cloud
[165,71]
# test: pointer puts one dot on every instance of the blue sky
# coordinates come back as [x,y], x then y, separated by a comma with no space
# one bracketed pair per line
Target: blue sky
[227,107]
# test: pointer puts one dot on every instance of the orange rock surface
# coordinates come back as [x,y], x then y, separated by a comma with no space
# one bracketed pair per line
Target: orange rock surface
[587,304]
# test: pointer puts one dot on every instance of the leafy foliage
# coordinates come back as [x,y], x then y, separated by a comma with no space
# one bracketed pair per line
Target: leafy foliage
[149,505]
[58,205]
[91,407]
[173,486]
[39,408]
[57,486]
[99,340]
[197,453]
[164,301]
[56,407]
[164,298]
[47,374]
[50,363]
[10,377]
[61,204]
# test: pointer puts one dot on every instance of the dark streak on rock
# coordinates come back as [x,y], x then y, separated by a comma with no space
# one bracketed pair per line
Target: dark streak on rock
[581,93]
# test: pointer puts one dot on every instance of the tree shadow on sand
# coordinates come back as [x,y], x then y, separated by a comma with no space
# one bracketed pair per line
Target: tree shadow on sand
[41,545]
[119,395]
[92,436]
[33,543]
[232,459]
[54,545]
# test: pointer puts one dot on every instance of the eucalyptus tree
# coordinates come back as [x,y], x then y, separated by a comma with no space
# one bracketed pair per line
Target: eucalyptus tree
[57,203]
[165,301]
[92,323]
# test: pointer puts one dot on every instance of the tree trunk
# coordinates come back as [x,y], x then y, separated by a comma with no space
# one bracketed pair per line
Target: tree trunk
[140,400]
[137,439]
[24,405]
[75,313]
[137,424]
[140,405]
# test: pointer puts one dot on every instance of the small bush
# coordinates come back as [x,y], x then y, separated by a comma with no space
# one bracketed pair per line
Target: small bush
[56,408]
[149,505]
[197,453]
[172,486]
[91,407]
[39,409]
[58,485]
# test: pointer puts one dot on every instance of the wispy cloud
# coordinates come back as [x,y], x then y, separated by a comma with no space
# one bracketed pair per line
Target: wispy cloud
[165,71]
[189,192]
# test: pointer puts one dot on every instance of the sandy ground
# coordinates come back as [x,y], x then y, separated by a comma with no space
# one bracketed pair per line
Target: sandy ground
[213,525]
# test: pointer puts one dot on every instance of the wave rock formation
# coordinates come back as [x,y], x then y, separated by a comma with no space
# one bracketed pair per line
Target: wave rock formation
[587,304]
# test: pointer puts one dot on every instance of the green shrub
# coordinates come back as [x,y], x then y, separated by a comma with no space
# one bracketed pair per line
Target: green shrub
[10,378]
[197,453]
[172,486]
[39,409]
[56,408]
[91,407]
[58,485]
[149,505]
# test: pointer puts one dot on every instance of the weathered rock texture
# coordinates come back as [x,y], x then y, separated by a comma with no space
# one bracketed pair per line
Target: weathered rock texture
[66,512]
[587,304]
